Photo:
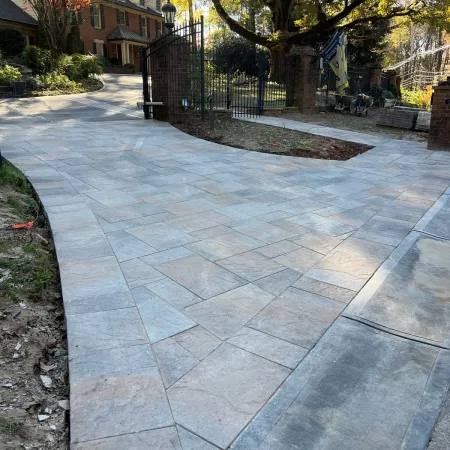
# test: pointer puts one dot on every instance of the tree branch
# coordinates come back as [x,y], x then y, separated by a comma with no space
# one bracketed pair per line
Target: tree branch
[237,27]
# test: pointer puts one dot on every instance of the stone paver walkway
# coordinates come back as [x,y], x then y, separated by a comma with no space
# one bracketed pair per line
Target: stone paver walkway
[206,287]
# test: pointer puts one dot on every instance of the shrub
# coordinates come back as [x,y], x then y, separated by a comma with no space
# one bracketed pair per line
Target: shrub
[376,92]
[129,66]
[8,74]
[12,42]
[417,97]
[33,84]
[78,67]
[39,60]
[55,80]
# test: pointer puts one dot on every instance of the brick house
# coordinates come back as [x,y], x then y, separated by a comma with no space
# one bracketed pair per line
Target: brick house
[13,16]
[117,28]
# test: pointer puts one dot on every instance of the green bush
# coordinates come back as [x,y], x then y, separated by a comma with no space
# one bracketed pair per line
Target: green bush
[377,93]
[55,80]
[12,42]
[417,97]
[39,60]
[78,67]
[8,74]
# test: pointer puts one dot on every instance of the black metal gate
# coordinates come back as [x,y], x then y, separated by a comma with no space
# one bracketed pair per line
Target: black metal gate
[175,64]
[186,80]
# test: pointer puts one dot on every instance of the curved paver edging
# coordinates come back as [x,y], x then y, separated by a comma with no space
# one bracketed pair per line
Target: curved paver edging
[124,290]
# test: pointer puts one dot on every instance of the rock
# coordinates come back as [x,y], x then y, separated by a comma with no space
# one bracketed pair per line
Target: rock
[18,346]
[423,121]
[15,356]
[46,381]
[60,352]
[42,417]
[64,404]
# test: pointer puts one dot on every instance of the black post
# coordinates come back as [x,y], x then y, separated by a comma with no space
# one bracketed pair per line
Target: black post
[202,70]
[145,89]
[328,86]
[228,91]
[261,84]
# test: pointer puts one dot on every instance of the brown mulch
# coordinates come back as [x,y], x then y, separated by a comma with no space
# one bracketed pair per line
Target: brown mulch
[275,140]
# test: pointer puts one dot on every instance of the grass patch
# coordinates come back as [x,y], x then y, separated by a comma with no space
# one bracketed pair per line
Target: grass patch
[89,85]
[9,427]
[13,178]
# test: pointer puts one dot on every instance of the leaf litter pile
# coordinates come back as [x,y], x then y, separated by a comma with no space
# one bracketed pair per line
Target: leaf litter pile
[34,387]
[276,140]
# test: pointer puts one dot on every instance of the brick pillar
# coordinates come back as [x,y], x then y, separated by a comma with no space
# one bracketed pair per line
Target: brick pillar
[305,80]
[170,71]
[439,137]
[375,75]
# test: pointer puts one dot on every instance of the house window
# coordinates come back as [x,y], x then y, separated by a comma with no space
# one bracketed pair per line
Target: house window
[158,29]
[144,27]
[158,5]
[121,17]
[96,16]
[142,2]
[98,48]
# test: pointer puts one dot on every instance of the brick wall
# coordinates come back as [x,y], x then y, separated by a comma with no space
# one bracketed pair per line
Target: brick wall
[439,137]
[26,30]
[89,34]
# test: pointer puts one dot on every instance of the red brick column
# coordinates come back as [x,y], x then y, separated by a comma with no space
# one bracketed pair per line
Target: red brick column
[171,77]
[305,80]
[439,137]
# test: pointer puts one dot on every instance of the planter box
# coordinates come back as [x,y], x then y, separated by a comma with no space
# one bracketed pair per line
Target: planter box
[399,117]
[118,70]
[19,87]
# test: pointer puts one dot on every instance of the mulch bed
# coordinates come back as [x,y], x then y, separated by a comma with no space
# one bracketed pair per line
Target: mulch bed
[275,140]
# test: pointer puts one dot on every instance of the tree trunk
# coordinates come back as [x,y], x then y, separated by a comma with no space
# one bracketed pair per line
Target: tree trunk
[278,65]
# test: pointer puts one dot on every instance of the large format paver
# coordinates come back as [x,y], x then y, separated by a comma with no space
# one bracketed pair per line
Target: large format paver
[197,278]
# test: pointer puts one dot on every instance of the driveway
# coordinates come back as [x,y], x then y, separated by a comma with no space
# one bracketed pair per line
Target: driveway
[221,298]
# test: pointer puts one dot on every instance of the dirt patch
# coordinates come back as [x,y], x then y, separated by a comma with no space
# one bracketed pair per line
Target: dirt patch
[350,122]
[275,140]
[34,387]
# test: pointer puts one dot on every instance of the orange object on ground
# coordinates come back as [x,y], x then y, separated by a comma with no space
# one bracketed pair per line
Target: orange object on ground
[23,225]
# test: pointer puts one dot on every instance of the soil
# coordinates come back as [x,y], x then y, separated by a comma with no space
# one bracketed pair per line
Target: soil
[275,140]
[350,122]
[32,329]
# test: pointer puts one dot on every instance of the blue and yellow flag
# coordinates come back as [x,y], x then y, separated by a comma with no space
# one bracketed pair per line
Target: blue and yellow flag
[335,54]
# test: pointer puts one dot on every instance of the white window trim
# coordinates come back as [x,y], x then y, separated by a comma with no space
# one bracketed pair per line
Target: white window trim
[144,26]
[100,46]
[96,7]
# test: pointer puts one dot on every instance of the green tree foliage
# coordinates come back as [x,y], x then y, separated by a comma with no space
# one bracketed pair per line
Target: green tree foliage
[12,42]
[234,53]
[312,22]
[39,60]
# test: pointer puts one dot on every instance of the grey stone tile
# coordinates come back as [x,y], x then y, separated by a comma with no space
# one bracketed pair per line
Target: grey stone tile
[192,223]
[384,230]
[212,232]
[138,273]
[269,347]
[119,361]
[291,226]
[81,244]
[104,330]
[321,224]
[160,319]
[226,313]
[222,188]
[324,289]
[219,397]
[355,217]
[190,441]
[92,285]
[197,341]
[173,293]
[300,260]
[167,256]
[159,439]
[127,247]
[147,209]
[174,361]
[277,249]
[131,402]
[245,211]
[155,218]
[263,231]
[224,246]
[319,242]
[108,227]
[187,207]
[200,276]
[113,198]
[185,191]
[351,263]
[278,282]
[366,413]
[251,265]
[161,236]
[298,317]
